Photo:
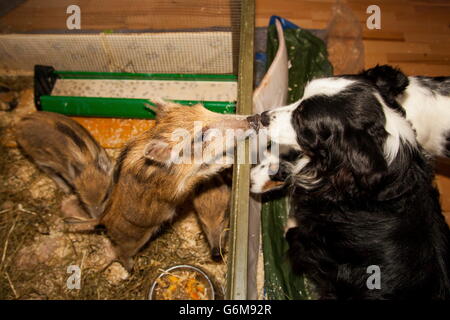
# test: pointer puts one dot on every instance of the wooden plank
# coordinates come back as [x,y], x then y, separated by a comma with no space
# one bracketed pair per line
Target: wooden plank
[383,47]
[433,58]
[427,37]
[119,15]
[383,35]
[424,69]
[373,59]
[237,286]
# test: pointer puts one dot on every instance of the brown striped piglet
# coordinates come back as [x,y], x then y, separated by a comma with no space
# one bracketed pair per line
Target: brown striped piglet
[150,180]
[67,152]
[211,202]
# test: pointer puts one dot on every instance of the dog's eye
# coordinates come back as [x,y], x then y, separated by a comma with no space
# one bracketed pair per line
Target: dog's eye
[291,156]
[308,134]
[325,133]
[281,172]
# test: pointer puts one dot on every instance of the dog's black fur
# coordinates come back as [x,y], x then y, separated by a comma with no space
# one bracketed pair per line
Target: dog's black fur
[354,210]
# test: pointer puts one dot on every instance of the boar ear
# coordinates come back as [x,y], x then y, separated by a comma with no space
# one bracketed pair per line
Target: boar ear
[103,163]
[157,150]
[199,105]
[160,106]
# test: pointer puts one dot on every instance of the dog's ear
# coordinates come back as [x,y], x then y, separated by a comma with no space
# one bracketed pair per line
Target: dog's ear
[363,159]
[343,157]
[350,160]
[390,81]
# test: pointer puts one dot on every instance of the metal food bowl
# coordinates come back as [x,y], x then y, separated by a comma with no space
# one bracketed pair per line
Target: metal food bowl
[200,275]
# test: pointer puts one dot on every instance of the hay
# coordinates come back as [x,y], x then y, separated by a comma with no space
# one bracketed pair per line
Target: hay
[35,250]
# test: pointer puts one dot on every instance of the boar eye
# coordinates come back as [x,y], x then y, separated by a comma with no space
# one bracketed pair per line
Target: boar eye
[206,132]
[199,136]
[107,194]
[204,166]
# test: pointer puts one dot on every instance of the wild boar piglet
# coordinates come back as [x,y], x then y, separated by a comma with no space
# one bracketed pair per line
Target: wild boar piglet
[159,170]
[67,152]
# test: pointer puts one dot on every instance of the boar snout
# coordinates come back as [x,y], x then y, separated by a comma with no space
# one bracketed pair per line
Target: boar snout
[254,121]
[215,255]
[235,122]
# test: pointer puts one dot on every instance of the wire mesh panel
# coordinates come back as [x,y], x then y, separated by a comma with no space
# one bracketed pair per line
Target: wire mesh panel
[144,36]
[177,52]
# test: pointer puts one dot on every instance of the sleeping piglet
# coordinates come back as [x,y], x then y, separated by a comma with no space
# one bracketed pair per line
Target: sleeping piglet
[65,150]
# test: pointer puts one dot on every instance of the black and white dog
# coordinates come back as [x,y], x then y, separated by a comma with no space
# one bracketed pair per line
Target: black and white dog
[361,190]
[425,101]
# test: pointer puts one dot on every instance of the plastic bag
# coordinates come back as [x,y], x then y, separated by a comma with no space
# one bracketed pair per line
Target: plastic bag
[344,41]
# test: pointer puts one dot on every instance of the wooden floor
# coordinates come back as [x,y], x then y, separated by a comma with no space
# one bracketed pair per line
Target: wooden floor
[414,35]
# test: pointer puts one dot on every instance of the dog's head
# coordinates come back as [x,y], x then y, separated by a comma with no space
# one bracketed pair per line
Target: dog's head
[348,136]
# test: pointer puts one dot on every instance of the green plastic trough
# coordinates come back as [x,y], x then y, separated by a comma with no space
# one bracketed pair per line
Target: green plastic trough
[45,78]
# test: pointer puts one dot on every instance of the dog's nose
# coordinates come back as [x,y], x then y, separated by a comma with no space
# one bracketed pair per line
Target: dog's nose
[265,119]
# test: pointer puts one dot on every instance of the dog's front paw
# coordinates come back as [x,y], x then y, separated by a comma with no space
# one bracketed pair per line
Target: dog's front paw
[269,175]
